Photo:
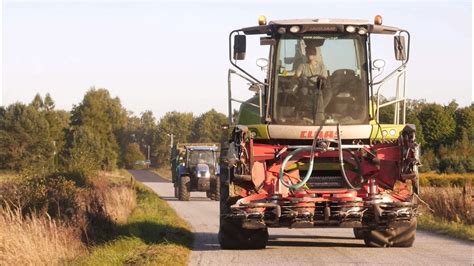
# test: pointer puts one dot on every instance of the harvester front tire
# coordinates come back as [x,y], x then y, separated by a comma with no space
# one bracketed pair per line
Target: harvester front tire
[233,236]
[184,182]
[401,235]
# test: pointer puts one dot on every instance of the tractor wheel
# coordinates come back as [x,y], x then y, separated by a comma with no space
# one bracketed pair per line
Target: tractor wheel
[217,188]
[359,233]
[184,188]
[402,234]
[209,195]
[231,234]
[176,190]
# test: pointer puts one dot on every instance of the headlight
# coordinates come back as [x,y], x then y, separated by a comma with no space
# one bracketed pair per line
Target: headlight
[362,31]
[392,132]
[350,29]
[208,174]
[295,29]
[198,174]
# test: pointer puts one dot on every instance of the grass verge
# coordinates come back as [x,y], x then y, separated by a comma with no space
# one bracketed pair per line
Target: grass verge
[152,235]
[457,230]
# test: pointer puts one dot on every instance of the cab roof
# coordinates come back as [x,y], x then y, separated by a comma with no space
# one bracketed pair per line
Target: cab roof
[202,148]
[325,21]
[320,25]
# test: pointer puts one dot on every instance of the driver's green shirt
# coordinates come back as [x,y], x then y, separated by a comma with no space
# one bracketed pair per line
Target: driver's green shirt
[306,70]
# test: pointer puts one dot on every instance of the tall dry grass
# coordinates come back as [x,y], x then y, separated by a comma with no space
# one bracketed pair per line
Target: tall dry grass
[35,240]
[52,220]
[453,204]
[119,203]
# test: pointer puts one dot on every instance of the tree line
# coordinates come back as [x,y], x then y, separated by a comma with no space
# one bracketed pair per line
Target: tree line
[99,133]
[445,132]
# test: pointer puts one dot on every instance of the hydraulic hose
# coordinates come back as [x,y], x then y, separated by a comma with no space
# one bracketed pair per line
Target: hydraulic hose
[313,148]
[311,163]
[341,160]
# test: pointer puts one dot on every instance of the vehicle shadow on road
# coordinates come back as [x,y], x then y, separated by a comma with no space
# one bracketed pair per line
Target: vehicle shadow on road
[324,244]
[274,237]
[205,241]
[208,242]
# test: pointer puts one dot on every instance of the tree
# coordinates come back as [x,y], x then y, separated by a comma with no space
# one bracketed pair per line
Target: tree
[465,121]
[208,127]
[48,103]
[133,154]
[437,124]
[104,118]
[176,123]
[25,139]
[37,102]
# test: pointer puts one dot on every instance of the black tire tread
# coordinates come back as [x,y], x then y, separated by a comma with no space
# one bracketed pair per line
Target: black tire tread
[184,182]
[231,234]
[401,235]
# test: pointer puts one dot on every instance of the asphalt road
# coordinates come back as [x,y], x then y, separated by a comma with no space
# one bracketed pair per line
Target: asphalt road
[301,246]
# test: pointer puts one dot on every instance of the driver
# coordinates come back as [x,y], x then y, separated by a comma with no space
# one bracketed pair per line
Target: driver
[313,67]
[312,76]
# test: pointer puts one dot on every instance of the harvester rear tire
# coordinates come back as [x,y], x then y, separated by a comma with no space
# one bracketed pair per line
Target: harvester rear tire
[359,233]
[402,234]
[184,183]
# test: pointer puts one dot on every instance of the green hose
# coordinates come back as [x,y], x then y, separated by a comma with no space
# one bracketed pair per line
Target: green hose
[308,174]
[311,163]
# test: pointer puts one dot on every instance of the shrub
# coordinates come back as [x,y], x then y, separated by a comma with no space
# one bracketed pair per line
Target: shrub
[452,204]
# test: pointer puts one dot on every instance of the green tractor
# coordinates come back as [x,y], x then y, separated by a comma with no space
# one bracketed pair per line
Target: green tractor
[308,150]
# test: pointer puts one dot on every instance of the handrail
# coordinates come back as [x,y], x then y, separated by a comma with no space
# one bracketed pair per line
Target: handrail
[399,72]
[392,102]
[230,99]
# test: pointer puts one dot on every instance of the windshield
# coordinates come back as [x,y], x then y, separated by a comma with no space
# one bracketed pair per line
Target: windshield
[321,79]
[201,157]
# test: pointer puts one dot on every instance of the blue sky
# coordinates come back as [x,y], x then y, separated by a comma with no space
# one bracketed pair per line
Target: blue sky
[165,56]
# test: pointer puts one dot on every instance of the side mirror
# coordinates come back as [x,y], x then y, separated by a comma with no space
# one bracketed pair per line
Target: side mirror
[239,47]
[399,46]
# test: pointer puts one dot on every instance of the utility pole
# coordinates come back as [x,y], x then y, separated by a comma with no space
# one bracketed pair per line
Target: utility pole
[148,152]
[171,139]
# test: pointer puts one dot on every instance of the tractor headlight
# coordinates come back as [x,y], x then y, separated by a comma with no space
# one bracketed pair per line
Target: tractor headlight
[198,174]
[208,174]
